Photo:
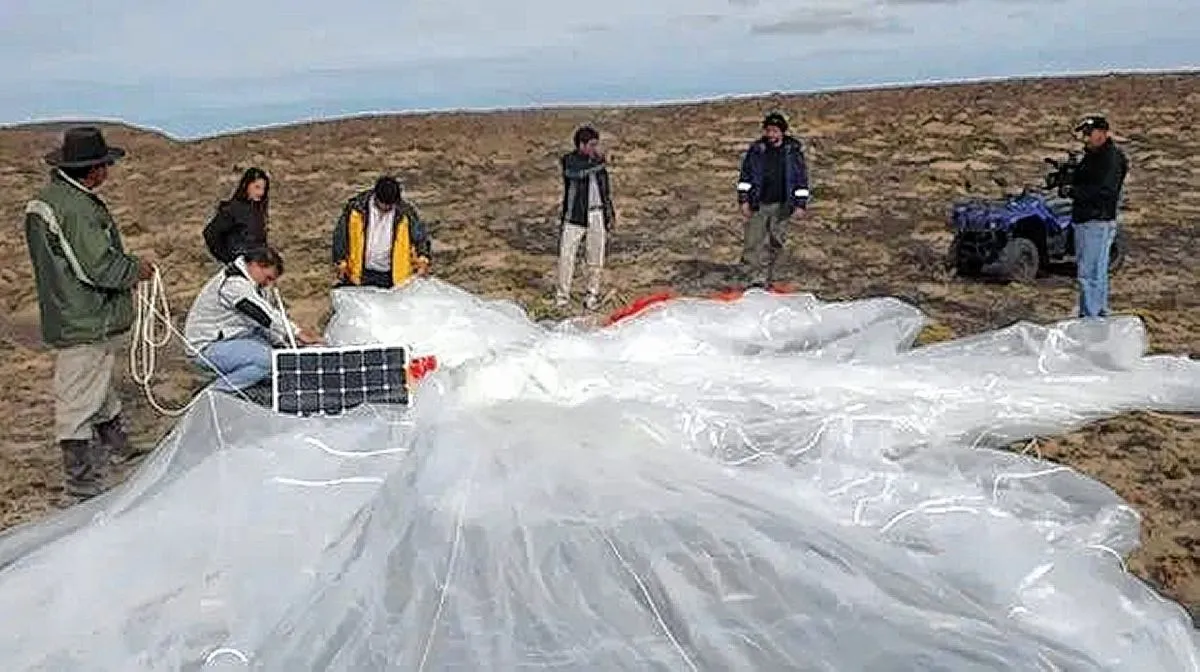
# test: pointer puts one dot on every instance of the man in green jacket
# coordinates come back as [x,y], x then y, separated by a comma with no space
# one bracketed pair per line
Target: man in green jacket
[85,282]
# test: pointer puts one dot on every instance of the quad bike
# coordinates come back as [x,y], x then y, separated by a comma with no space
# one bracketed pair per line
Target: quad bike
[1018,236]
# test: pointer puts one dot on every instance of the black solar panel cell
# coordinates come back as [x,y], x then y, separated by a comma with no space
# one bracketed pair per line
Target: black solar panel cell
[333,380]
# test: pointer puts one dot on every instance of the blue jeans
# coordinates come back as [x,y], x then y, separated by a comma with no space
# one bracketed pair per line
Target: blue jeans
[241,362]
[1092,242]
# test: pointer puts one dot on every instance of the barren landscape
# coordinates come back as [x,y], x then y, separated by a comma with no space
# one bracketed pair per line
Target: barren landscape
[885,165]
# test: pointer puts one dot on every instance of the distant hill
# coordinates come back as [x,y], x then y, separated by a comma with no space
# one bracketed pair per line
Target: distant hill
[58,126]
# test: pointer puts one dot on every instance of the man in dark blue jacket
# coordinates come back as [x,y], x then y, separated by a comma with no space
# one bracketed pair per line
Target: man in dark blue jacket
[773,186]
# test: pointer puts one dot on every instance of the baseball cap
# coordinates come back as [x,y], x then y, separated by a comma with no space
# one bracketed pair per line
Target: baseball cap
[1091,123]
[777,120]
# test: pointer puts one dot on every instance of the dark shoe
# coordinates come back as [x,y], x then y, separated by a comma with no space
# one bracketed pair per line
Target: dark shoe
[83,468]
[113,437]
[261,393]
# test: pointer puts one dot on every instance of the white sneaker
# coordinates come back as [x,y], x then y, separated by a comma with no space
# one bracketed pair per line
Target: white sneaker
[592,302]
[561,301]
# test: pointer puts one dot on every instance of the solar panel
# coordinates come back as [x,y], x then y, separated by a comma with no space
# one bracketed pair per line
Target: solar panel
[331,380]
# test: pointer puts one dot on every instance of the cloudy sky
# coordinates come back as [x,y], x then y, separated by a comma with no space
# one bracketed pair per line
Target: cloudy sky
[196,68]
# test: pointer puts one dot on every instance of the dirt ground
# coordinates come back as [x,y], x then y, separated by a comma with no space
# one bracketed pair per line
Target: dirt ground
[885,164]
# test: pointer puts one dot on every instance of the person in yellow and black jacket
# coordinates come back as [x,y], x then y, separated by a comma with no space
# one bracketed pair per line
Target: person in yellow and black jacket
[379,240]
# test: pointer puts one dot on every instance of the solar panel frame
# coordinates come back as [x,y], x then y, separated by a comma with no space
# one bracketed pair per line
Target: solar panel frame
[330,380]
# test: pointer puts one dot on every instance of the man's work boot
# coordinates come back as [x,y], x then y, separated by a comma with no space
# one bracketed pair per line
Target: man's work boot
[116,441]
[82,468]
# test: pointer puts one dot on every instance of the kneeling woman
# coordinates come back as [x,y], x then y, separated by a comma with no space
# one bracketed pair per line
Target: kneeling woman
[233,326]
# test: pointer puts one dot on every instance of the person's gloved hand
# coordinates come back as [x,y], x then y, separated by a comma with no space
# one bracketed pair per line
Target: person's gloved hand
[421,264]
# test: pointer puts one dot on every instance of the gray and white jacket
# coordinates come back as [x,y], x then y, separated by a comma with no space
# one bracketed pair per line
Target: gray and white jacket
[231,305]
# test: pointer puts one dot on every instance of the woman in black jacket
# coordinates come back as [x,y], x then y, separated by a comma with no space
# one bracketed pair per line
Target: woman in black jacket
[241,222]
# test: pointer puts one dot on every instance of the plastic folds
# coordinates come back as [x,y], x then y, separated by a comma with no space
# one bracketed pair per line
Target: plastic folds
[769,483]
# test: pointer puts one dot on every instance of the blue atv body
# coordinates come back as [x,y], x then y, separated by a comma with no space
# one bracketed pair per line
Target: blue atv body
[1018,236]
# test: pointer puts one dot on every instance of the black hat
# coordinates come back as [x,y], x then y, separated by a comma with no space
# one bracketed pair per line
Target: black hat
[777,120]
[1091,123]
[83,147]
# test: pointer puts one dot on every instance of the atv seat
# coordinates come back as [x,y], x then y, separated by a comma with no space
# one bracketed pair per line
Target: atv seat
[1060,207]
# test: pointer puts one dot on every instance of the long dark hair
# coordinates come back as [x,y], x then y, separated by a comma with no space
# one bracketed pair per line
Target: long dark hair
[241,193]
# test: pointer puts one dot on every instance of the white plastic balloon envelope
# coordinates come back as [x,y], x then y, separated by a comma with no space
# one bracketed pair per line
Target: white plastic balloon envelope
[772,483]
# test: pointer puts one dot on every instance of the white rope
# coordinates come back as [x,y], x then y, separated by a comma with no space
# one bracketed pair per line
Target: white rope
[287,322]
[150,301]
[153,329]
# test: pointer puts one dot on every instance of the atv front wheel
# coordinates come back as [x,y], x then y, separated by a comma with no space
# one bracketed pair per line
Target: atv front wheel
[956,259]
[1116,252]
[1019,260]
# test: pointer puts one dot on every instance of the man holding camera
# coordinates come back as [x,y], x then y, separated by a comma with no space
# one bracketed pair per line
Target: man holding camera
[1096,192]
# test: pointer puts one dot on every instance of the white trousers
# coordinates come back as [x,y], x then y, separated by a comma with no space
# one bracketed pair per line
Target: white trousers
[568,252]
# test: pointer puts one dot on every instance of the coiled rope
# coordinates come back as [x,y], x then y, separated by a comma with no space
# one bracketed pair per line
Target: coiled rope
[153,329]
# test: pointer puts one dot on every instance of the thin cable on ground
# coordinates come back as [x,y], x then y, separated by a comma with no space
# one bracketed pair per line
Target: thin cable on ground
[352,453]
[153,329]
[309,483]
[451,565]
[1110,551]
[226,651]
[1033,447]
[645,591]
[1019,477]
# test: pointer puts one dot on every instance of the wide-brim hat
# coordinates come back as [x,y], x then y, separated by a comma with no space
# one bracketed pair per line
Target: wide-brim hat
[83,147]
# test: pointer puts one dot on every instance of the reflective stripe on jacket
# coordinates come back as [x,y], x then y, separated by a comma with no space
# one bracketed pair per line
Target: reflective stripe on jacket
[83,275]
[750,179]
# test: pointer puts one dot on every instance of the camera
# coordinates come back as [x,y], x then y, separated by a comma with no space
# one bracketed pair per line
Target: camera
[1061,177]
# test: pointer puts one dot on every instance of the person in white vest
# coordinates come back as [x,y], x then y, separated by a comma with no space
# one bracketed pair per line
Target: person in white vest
[233,325]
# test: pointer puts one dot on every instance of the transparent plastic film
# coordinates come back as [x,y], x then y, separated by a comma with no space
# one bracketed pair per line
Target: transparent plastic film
[763,482]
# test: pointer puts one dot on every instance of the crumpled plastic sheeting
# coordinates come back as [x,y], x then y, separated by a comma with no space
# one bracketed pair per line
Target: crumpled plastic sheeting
[770,483]
[431,317]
